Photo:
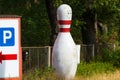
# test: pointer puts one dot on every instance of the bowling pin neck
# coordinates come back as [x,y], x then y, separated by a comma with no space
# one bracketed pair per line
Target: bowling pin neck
[64,25]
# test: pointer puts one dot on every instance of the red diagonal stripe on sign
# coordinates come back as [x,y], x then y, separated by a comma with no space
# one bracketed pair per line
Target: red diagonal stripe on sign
[7,57]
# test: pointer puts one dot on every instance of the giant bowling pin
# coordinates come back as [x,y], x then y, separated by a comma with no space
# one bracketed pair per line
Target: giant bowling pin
[64,50]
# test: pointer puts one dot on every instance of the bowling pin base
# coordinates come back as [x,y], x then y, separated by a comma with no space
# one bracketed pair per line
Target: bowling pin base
[65,73]
[58,77]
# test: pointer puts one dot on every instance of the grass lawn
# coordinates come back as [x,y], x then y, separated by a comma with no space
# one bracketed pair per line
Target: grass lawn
[91,71]
[102,76]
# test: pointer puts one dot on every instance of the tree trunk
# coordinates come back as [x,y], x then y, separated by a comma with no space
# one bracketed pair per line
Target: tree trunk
[96,34]
[89,33]
[52,17]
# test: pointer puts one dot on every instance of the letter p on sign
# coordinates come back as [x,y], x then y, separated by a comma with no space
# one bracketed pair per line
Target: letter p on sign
[7,37]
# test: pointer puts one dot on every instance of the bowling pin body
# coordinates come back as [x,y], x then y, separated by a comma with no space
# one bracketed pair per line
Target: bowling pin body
[64,49]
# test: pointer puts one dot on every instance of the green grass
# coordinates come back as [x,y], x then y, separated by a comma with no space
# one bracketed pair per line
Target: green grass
[88,69]
[39,74]
[84,70]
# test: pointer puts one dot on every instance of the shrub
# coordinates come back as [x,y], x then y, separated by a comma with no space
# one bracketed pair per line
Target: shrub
[112,57]
[93,68]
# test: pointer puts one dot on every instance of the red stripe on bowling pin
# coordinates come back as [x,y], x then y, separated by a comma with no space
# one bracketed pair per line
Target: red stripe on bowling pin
[64,22]
[64,30]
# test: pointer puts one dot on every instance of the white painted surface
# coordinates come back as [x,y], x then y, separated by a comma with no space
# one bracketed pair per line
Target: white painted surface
[10,68]
[64,53]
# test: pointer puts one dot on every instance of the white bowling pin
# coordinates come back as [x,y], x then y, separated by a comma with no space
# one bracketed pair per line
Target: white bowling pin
[64,55]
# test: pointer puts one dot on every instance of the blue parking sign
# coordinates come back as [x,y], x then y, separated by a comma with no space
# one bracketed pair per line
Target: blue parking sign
[7,37]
